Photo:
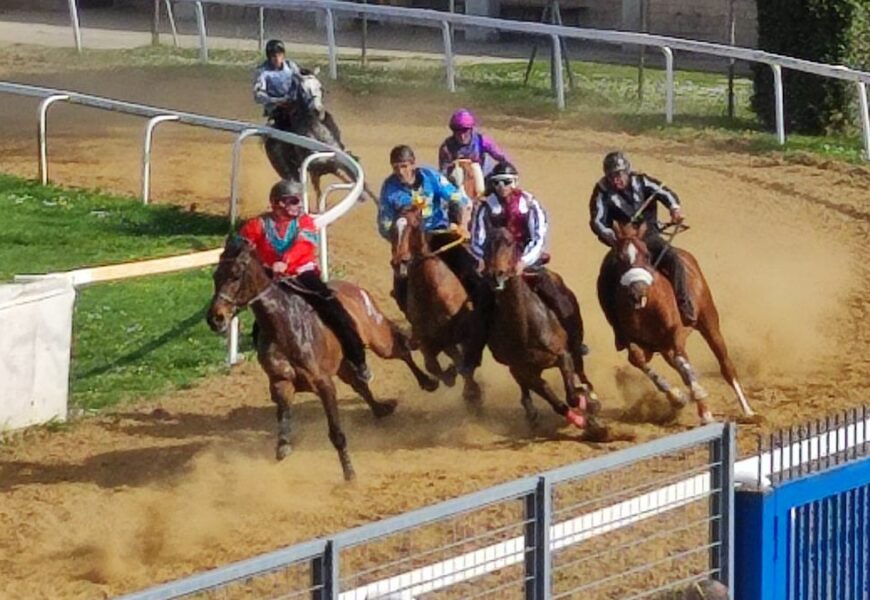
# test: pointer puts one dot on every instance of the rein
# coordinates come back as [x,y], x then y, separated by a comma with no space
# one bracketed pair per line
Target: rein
[227,298]
[677,229]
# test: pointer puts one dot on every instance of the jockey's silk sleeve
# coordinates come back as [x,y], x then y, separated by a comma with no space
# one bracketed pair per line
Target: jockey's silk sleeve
[537,224]
[664,194]
[599,220]
[386,211]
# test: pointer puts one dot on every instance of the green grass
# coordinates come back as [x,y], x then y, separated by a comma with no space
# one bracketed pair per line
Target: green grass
[131,339]
[139,338]
[52,229]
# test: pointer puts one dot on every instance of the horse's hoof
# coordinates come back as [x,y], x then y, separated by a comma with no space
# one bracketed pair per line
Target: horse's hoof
[707,417]
[384,409]
[349,475]
[449,376]
[677,399]
[283,451]
[429,384]
[595,432]
[576,419]
[698,392]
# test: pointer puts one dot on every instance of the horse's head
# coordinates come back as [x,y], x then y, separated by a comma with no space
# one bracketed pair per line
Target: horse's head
[407,238]
[238,279]
[634,261]
[500,256]
[312,91]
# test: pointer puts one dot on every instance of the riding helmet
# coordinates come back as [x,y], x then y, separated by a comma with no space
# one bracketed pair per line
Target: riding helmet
[274,47]
[616,162]
[503,171]
[402,153]
[462,119]
[284,189]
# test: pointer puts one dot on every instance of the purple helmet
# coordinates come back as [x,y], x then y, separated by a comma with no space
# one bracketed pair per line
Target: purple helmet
[462,119]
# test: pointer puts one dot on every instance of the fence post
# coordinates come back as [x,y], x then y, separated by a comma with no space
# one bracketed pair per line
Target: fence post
[756,553]
[170,15]
[146,153]
[669,84]
[865,117]
[448,56]
[330,41]
[558,82]
[539,509]
[324,574]
[203,42]
[41,134]
[261,28]
[780,109]
[74,20]
[722,455]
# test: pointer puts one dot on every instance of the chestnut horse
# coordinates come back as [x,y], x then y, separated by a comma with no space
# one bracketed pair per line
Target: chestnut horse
[438,307]
[527,337]
[646,309]
[295,349]
[468,175]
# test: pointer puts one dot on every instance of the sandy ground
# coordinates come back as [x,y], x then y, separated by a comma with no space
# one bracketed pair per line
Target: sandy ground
[133,497]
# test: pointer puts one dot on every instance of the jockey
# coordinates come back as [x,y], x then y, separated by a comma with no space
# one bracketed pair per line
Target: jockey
[444,208]
[620,196]
[286,240]
[277,80]
[520,212]
[465,143]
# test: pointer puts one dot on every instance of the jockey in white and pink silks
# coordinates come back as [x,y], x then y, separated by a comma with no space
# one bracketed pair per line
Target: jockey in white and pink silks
[466,143]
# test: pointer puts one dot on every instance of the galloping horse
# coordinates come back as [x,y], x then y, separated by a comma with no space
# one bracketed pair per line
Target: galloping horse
[647,313]
[468,175]
[308,117]
[295,349]
[438,306]
[528,338]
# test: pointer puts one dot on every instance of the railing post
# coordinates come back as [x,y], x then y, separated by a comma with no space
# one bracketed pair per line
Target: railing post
[233,342]
[324,574]
[448,56]
[865,117]
[146,153]
[324,238]
[303,174]
[203,41]
[74,20]
[330,41]
[780,108]
[261,30]
[669,84]
[234,173]
[42,111]
[558,82]
[539,509]
[722,454]
[172,26]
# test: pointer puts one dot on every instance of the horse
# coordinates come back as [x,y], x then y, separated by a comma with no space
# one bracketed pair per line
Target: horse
[646,311]
[438,307]
[468,175]
[307,116]
[295,349]
[527,337]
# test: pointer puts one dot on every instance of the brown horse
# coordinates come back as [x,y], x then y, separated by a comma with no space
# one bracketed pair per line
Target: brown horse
[295,349]
[468,175]
[648,316]
[527,337]
[438,306]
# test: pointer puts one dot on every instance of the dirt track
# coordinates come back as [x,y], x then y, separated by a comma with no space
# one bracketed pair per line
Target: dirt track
[117,502]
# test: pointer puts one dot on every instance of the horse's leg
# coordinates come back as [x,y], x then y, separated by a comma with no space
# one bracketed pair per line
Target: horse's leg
[326,392]
[679,361]
[528,406]
[379,409]
[573,397]
[397,345]
[471,391]
[282,391]
[430,362]
[536,383]
[638,358]
[708,325]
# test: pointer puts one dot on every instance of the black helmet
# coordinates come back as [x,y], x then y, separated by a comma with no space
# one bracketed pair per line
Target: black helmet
[274,47]
[284,189]
[503,171]
[616,162]
[402,153]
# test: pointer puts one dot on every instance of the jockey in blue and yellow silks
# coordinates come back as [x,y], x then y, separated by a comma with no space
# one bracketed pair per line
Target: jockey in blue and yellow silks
[444,207]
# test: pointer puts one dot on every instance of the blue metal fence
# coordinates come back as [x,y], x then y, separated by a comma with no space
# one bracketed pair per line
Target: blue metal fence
[805,536]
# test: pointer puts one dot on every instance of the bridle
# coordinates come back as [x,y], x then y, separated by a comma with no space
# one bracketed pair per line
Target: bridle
[237,306]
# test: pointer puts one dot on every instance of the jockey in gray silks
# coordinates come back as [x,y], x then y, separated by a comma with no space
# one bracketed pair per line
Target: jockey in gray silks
[617,198]
[276,83]
[517,210]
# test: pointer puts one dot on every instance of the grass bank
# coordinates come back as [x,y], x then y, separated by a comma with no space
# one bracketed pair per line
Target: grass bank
[134,338]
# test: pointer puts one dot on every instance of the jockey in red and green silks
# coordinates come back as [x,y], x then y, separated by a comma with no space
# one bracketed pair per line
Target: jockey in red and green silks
[466,143]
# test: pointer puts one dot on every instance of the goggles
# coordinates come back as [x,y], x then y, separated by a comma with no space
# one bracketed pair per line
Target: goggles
[291,200]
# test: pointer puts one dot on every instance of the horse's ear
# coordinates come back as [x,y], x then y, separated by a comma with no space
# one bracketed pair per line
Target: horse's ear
[641,231]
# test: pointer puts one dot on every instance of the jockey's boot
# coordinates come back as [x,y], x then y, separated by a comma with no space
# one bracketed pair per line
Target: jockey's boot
[687,312]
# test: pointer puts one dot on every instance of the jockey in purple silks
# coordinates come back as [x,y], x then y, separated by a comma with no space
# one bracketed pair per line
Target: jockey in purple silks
[466,143]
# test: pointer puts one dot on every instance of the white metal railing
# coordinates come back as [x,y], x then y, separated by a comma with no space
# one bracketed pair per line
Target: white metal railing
[666,44]
[242,130]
